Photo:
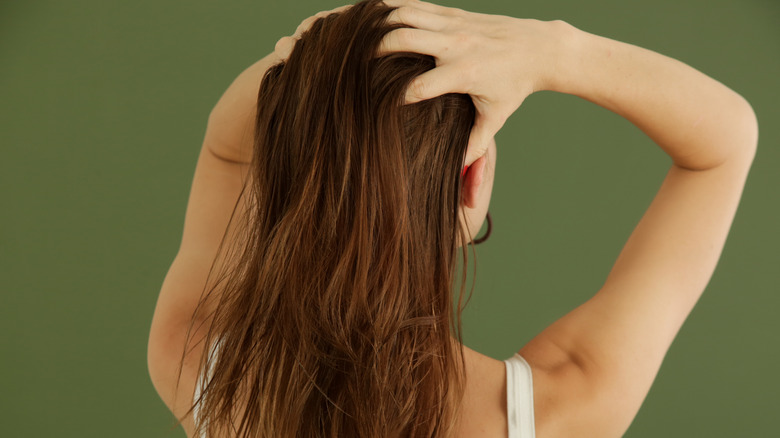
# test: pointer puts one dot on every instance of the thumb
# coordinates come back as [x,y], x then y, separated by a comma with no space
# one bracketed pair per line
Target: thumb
[479,139]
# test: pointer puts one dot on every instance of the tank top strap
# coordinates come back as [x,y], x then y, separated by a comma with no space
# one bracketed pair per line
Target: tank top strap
[519,398]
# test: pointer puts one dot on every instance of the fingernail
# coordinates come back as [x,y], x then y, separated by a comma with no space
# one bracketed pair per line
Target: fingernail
[463,173]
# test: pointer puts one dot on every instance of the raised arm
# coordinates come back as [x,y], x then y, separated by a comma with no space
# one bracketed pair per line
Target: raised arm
[216,188]
[600,360]
[230,128]
[699,122]
[594,367]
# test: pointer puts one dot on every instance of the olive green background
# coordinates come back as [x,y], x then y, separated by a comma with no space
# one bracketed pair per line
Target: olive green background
[102,111]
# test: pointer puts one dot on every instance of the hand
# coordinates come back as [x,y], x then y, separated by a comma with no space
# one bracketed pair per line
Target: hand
[285,45]
[498,60]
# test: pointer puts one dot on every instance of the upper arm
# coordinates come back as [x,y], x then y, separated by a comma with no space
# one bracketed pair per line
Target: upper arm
[215,191]
[216,187]
[597,363]
[232,120]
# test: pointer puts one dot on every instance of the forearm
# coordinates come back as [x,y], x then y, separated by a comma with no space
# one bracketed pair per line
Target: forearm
[699,122]
[230,128]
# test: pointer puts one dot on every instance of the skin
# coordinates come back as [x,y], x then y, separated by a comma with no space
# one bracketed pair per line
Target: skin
[593,367]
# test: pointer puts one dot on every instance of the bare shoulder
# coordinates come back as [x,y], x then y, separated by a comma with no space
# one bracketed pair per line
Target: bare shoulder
[484,400]
[483,369]
[560,392]
[555,386]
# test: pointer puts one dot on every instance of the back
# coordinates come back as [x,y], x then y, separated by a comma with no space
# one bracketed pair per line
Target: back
[481,418]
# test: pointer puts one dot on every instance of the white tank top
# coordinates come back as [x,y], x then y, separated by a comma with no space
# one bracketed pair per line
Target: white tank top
[519,397]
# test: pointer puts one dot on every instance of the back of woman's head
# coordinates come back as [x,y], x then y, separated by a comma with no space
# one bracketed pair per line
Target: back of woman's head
[335,314]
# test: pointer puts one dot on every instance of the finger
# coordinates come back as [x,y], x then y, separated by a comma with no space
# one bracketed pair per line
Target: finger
[473,154]
[304,26]
[284,47]
[425,6]
[407,39]
[482,132]
[441,80]
[418,18]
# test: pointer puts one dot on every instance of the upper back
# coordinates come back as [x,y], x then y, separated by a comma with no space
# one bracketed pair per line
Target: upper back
[483,408]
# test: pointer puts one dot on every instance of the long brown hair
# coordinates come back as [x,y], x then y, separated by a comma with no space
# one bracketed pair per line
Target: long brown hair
[334,314]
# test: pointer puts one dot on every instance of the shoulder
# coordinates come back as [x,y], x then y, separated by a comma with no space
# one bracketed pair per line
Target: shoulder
[484,400]
[567,401]
[555,394]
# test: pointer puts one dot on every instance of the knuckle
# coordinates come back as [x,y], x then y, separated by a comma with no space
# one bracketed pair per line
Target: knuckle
[283,41]
[392,17]
[401,39]
[404,35]
[402,13]
[452,12]
[459,21]
[417,88]
[469,73]
[306,23]
[560,25]
[461,37]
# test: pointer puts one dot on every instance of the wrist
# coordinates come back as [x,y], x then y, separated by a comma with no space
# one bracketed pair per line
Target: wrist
[570,44]
[695,119]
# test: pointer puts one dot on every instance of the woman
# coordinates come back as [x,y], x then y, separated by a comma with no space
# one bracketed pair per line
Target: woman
[341,193]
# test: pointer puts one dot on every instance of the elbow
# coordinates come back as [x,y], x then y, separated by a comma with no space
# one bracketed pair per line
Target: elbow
[742,135]
[749,127]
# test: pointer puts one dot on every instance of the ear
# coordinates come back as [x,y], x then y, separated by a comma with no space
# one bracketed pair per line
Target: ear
[472,182]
